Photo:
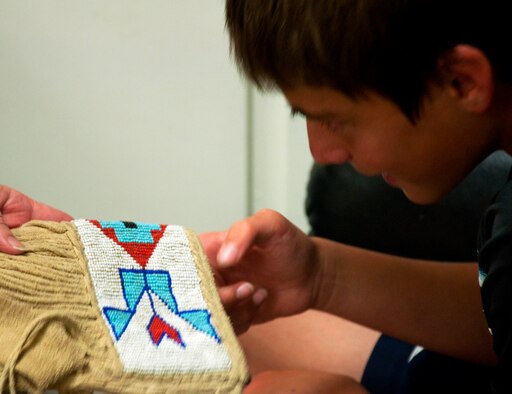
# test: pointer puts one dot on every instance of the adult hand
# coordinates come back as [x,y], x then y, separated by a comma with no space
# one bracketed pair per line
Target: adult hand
[265,268]
[17,209]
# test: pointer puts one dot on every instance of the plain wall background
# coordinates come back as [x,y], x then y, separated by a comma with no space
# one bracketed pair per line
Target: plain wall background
[134,110]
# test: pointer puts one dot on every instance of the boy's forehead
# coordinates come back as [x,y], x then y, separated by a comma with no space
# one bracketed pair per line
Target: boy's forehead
[325,102]
[316,99]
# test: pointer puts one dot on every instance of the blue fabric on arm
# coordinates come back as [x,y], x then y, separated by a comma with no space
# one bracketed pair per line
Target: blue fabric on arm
[386,367]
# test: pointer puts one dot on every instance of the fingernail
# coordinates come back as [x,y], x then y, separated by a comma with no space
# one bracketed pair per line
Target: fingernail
[227,255]
[259,296]
[245,290]
[16,244]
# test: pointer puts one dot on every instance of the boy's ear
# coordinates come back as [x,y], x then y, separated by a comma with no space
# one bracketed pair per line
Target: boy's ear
[468,72]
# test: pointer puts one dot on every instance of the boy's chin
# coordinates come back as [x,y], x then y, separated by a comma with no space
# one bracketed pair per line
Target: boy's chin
[422,196]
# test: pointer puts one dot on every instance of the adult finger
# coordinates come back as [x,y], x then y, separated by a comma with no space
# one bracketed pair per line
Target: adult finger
[45,212]
[8,242]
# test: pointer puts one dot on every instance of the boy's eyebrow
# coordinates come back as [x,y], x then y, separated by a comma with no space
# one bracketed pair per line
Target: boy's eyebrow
[319,116]
[296,111]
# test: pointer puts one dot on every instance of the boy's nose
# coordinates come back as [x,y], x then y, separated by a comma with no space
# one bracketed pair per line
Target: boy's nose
[326,146]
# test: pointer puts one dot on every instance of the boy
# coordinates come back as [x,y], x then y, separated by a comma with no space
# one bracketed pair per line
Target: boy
[418,91]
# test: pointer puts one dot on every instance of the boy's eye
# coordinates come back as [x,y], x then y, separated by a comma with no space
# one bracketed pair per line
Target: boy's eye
[330,125]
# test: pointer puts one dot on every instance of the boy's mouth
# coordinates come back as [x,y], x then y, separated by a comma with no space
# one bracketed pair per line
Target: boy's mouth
[390,179]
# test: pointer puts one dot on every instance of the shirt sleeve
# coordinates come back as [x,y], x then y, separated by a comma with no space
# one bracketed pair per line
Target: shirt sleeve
[495,264]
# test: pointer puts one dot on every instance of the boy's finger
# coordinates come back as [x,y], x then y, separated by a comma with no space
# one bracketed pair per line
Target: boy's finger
[242,315]
[211,243]
[234,294]
[244,234]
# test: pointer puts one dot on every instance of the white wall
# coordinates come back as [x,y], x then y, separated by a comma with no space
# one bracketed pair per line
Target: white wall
[280,155]
[133,110]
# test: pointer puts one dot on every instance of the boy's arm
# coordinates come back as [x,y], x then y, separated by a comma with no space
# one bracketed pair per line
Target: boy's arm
[433,304]
[17,209]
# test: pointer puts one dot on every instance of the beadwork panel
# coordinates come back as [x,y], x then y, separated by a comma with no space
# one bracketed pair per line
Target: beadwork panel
[150,297]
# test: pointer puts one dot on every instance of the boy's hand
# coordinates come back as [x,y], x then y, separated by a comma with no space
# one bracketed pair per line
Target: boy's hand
[265,268]
[17,209]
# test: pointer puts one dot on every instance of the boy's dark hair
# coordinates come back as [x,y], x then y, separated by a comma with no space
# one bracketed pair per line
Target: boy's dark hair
[391,47]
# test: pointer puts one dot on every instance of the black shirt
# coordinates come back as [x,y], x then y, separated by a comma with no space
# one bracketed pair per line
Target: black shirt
[495,270]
